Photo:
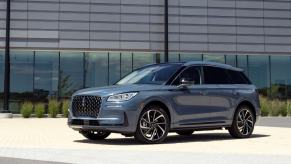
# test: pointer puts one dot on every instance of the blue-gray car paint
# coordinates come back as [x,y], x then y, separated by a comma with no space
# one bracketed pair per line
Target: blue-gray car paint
[197,106]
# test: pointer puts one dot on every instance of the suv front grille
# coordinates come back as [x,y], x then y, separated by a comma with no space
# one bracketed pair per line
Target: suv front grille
[86,106]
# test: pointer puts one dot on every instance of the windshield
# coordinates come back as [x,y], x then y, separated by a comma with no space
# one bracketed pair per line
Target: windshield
[155,74]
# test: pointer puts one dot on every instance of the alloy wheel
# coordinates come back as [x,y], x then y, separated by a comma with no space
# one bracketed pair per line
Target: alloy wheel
[153,125]
[245,122]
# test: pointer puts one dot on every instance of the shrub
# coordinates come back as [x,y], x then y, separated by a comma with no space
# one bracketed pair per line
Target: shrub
[265,106]
[39,110]
[53,108]
[288,108]
[65,107]
[278,108]
[26,109]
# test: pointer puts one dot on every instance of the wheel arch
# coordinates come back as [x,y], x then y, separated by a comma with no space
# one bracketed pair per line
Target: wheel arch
[162,104]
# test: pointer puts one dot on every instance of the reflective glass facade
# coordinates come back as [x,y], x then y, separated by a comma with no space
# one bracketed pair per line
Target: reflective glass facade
[40,75]
[1,76]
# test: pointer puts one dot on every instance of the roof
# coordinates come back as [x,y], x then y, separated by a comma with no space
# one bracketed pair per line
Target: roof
[212,64]
[189,63]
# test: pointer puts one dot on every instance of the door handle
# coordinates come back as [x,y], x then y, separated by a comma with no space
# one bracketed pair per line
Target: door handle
[203,93]
[235,93]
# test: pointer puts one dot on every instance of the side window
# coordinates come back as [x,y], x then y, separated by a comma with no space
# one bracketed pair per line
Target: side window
[238,77]
[215,75]
[192,74]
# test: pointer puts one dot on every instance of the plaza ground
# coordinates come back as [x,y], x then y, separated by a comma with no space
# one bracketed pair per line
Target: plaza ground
[51,140]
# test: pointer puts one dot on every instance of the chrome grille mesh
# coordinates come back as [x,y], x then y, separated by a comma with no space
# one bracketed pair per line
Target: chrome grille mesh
[86,106]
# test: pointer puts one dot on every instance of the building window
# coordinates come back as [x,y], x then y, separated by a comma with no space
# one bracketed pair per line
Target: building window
[21,84]
[96,69]
[214,58]
[259,73]
[126,63]
[190,57]
[141,59]
[280,77]
[46,75]
[71,73]
[174,57]
[242,62]
[230,60]
[114,67]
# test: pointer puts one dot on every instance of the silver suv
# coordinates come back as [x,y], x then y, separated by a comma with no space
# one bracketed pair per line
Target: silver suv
[172,97]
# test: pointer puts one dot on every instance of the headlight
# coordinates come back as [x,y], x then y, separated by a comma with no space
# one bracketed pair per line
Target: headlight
[121,97]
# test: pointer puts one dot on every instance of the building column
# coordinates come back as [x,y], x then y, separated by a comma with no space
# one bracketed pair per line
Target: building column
[6,112]
[166,31]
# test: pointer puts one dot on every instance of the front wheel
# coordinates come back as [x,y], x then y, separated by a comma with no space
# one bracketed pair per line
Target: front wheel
[243,123]
[153,125]
[95,135]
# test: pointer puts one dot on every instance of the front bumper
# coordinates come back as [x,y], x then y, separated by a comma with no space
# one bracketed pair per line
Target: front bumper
[119,118]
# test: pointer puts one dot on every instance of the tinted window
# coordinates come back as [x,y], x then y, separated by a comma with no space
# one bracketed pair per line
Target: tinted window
[215,75]
[238,77]
[192,74]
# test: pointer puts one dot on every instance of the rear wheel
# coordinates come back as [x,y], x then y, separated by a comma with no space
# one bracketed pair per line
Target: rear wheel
[95,135]
[185,132]
[153,125]
[243,123]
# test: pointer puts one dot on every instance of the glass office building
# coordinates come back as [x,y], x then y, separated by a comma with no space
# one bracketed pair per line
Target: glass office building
[60,46]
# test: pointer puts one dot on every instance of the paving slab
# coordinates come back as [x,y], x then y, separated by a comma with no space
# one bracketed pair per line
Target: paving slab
[51,140]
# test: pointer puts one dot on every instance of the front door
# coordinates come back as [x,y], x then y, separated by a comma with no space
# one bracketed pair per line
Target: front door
[191,102]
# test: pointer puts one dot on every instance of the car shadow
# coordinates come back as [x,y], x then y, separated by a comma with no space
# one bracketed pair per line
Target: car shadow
[173,139]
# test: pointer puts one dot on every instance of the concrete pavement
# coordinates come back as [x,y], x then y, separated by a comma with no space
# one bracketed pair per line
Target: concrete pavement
[24,161]
[51,140]
[283,122]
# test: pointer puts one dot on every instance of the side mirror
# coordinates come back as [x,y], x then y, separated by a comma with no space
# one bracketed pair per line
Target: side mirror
[185,82]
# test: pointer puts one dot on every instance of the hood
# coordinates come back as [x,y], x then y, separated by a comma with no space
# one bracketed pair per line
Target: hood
[116,89]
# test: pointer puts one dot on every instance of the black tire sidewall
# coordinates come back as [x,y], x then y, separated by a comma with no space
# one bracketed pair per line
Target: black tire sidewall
[91,136]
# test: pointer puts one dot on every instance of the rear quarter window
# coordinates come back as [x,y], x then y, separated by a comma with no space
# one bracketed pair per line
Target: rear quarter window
[238,77]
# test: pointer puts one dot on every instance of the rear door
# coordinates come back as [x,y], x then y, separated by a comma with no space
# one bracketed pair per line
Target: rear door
[221,93]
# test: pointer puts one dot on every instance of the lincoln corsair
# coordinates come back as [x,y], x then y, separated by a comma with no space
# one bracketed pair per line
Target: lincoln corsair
[157,99]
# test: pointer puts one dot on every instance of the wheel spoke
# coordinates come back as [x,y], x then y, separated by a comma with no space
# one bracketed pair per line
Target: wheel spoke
[250,121]
[163,131]
[247,127]
[245,114]
[160,116]
[145,120]
[147,132]
[154,116]
[153,134]
[144,127]
[148,116]
[239,116]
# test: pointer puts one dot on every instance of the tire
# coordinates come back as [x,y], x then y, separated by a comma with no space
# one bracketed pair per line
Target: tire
[153,125]
[185,132]
[243,123]
[95,135]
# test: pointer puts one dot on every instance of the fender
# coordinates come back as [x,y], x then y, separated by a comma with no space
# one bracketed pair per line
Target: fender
[159,99]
